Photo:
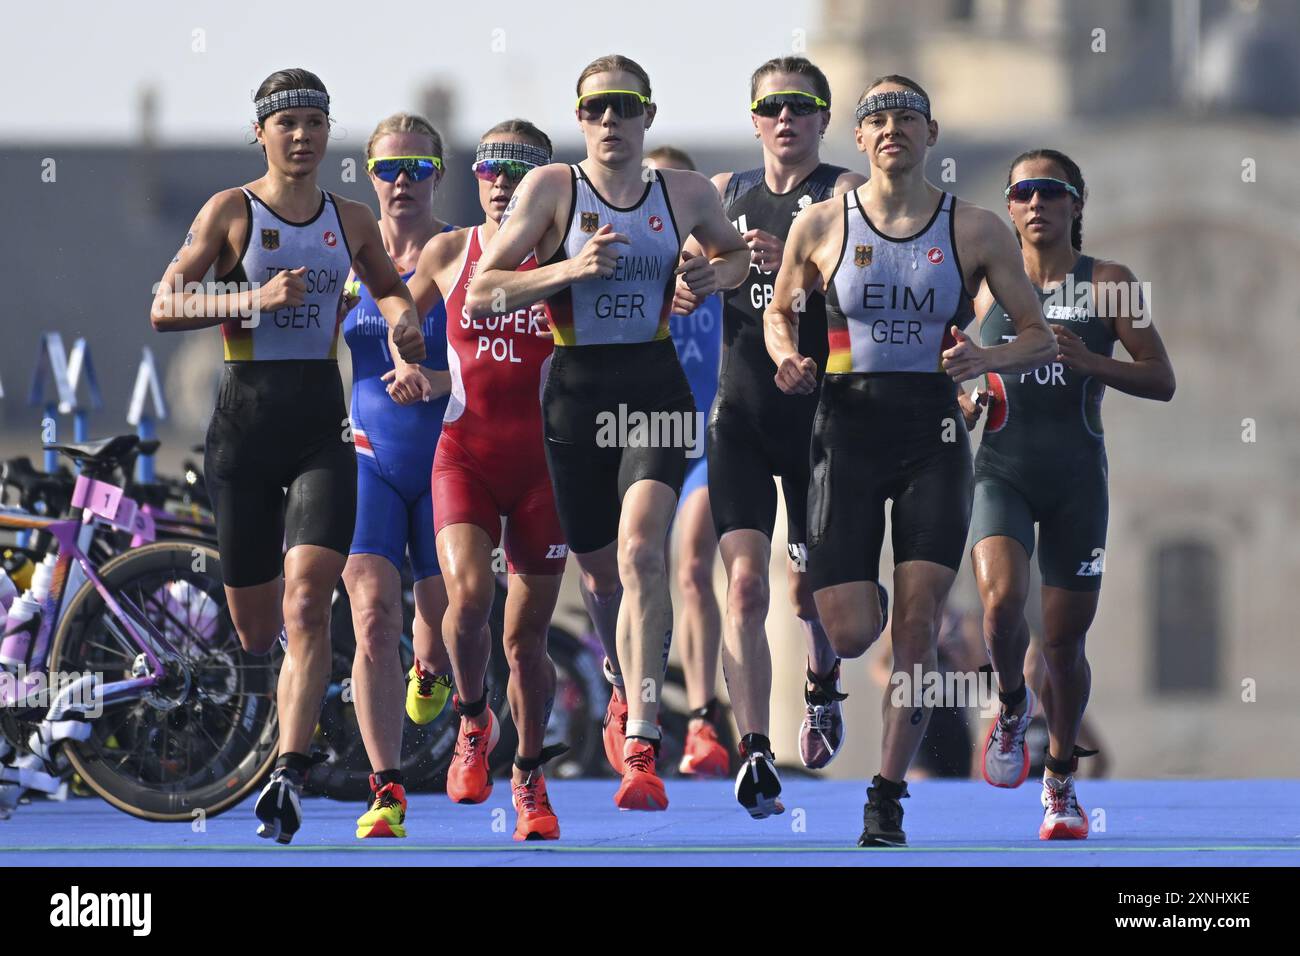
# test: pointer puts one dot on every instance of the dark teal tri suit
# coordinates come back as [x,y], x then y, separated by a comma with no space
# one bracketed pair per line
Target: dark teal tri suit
[1043,456]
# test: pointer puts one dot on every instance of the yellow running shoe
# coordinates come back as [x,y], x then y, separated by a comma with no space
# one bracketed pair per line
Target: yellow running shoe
[426,694]
[387,812]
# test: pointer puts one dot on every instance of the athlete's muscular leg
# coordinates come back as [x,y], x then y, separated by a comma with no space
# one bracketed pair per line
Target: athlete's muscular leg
[1002,576]
[375,592]
[1067,615]
[700,631]
[746,660]
[920,590]
[850,615]
[602,595]
[426,637]
[530,601]
[310,574]
[646,618]
[465,555]
[821,656]
[257,614]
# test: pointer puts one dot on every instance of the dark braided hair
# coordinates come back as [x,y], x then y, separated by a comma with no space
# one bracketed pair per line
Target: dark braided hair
[1073,175]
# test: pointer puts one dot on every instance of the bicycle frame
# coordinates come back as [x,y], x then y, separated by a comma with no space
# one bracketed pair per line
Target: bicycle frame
[95,505]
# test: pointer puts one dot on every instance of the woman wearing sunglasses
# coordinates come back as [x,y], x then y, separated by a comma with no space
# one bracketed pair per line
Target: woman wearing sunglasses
[617,408]
[698,338]
[397,411]
[280,464]
[1043,461]
[758,434]
[897,257]
[491,465]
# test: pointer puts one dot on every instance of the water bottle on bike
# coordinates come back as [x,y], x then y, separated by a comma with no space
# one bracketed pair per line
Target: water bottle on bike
[24,645]
[8,592]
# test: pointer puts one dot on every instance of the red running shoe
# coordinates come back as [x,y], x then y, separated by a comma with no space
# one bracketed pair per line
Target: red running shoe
[641,788]
[537,821]
[615,732]
[469,779]
[704,755]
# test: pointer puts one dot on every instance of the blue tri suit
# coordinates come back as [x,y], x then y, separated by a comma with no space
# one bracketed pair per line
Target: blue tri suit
[698,338]
[394,443]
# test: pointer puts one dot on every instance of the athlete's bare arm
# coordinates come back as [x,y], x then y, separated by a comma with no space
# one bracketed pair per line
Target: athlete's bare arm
[975,401]
[684,301]
[1150,374]
[814,232]
[430,283]
[373,267]
[214,239]
[535,223]
[987,249]
[724,262]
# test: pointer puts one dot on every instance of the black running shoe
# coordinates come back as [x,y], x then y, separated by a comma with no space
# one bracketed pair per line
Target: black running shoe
[882,817]
[279,806]
[758,788]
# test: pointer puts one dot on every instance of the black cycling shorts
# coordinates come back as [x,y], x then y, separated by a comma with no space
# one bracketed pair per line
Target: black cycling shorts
[898,436]
[748,448]
[279,465]
[1066,497]
[614,415]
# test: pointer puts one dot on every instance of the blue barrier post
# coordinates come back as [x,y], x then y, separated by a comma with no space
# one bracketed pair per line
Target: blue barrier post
[81,366]
[146,410]
[51,356]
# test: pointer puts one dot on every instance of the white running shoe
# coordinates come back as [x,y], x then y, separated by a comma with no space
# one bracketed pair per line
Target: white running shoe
[1063,818]
[1006,755]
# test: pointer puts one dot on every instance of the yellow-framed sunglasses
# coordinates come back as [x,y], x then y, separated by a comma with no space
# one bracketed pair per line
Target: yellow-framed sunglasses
[625,103]
[419,168]
[800,103]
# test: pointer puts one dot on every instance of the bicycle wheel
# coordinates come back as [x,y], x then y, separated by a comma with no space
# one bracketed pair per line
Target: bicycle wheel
[200,741]
[580,695]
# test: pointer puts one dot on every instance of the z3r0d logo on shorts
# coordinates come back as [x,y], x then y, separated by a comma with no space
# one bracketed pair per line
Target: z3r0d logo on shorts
[590,222]
[270,238]
[330,239]
[1093,568]
[555,551]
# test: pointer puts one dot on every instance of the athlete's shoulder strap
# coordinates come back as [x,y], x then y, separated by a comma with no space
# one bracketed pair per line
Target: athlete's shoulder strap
[1083,268]
[851,199]
[739,184]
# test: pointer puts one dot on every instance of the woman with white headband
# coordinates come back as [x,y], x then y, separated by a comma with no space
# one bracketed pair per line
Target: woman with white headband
[898,258]
[491,465]
[279,463]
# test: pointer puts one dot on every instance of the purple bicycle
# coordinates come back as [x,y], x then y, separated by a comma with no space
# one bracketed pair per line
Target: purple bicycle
[134,677]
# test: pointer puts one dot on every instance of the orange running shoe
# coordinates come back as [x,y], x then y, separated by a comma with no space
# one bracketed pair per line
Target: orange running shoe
[641,788]
[615,730]
[537,821]
[703,754]
[469,779]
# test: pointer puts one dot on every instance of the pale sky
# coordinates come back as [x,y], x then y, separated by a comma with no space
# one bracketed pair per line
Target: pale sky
[73,70]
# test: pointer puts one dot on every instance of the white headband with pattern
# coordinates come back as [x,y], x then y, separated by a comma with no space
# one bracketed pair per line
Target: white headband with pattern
[291,99]
[894,100]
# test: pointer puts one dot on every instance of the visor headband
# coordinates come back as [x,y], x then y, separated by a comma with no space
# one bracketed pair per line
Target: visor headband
[894,100]
[291,99]
[518,152]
